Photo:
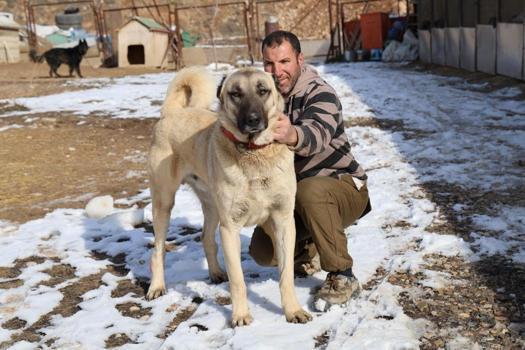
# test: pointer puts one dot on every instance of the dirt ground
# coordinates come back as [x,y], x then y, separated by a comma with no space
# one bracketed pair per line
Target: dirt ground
[57,162]
[62,160]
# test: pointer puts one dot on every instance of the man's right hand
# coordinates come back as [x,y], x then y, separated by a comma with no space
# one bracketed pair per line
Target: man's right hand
[284,131]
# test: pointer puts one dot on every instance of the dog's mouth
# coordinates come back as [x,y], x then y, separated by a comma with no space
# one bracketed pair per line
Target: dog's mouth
[252,125]
[252,132]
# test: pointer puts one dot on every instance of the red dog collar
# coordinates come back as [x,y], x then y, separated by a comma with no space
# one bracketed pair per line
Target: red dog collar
[248,145]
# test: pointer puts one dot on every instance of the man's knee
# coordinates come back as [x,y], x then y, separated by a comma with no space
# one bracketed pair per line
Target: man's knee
[312,190]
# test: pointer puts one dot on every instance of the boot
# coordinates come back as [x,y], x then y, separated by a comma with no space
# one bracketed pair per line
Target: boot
[339,287]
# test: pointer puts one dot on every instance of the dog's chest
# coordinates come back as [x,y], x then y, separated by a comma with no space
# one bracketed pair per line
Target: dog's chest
[253,204]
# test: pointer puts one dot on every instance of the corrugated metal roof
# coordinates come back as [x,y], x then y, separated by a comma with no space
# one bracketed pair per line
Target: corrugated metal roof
[149,23]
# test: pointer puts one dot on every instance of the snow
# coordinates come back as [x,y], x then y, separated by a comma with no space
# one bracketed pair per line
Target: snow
[451,139]
[99,207]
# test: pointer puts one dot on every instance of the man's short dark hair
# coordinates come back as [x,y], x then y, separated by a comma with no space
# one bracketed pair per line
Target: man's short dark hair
[276,39]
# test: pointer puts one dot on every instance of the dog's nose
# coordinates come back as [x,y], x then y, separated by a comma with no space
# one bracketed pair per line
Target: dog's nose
[253,120]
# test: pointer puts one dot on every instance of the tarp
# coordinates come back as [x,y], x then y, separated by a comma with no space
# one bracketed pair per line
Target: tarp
[405,51]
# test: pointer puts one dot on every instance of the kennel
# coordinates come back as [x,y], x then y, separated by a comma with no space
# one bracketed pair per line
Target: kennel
[9,39]
[142,41]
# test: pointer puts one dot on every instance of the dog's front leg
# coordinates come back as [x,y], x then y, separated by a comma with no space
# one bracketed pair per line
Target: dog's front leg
[231,242]
[284,231]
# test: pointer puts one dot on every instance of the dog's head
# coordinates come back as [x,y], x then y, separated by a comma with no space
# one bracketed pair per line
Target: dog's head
[82,46]
[249,105]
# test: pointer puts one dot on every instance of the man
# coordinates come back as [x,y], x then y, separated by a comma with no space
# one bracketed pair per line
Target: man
[331,187]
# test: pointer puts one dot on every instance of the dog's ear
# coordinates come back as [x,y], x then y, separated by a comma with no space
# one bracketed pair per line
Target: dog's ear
[219,88]
[275,82]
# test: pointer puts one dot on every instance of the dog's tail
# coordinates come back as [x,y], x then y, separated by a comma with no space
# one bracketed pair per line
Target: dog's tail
[192,87]
[34,57]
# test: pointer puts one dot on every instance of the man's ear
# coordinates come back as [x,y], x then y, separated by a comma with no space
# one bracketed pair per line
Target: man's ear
[300,59]
[219,88]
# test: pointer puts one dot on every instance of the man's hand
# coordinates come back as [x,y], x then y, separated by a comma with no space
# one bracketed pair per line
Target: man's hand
[284,132]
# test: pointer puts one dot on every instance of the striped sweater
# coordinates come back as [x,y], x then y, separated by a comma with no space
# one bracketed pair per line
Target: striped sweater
[315,111]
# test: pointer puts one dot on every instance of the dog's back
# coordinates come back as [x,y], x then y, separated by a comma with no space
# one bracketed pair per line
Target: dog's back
[186,120]
[71,56]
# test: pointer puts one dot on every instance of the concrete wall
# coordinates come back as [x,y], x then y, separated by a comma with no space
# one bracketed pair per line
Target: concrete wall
[509,49]
[467,47]
[486,48]
[425,50]
[200,55]
[437,43]
[452,48]
[482,35]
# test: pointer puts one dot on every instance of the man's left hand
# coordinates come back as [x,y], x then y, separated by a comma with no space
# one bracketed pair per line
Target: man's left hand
[284,131]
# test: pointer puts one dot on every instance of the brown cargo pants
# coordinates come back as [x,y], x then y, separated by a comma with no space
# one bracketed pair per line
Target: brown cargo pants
[324,206]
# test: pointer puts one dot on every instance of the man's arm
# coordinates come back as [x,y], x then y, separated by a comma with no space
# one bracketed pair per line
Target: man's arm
[316,127]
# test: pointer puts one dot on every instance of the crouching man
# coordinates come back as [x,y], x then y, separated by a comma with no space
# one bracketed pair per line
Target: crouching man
[331,185]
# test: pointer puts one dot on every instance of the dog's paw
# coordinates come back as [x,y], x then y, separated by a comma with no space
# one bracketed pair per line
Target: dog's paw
[299,316]
[241,320]
[154,293]
[218,276]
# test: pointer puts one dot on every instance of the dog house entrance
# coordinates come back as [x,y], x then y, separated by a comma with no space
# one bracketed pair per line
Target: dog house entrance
[136,54]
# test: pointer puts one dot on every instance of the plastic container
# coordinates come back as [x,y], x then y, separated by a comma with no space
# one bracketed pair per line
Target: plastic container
[376,54]
[363,55]
[374,28]
[350,56]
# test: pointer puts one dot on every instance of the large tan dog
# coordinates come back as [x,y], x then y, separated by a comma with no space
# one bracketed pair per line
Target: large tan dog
[240,175]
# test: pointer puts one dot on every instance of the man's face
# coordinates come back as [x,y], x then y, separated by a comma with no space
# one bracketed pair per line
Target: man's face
[284,64]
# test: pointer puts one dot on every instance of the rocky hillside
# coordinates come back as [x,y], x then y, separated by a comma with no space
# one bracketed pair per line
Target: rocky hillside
[307,18]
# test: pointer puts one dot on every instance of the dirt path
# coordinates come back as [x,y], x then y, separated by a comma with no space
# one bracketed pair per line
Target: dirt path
[60,160]
[27,79]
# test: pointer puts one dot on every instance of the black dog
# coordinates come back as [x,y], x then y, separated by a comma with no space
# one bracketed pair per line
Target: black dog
[55,57]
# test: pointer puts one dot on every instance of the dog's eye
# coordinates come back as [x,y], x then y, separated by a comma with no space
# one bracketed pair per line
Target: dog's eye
[263,92]
[235,94]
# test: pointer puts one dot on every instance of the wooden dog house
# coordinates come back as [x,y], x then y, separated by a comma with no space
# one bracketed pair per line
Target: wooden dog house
[9,39]
[142,41]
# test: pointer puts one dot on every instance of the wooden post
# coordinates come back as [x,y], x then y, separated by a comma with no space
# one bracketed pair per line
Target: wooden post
[178,58]
[248,37]
[31,35]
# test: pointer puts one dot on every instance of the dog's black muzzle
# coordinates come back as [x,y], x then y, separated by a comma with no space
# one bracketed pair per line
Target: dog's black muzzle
[252,118]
